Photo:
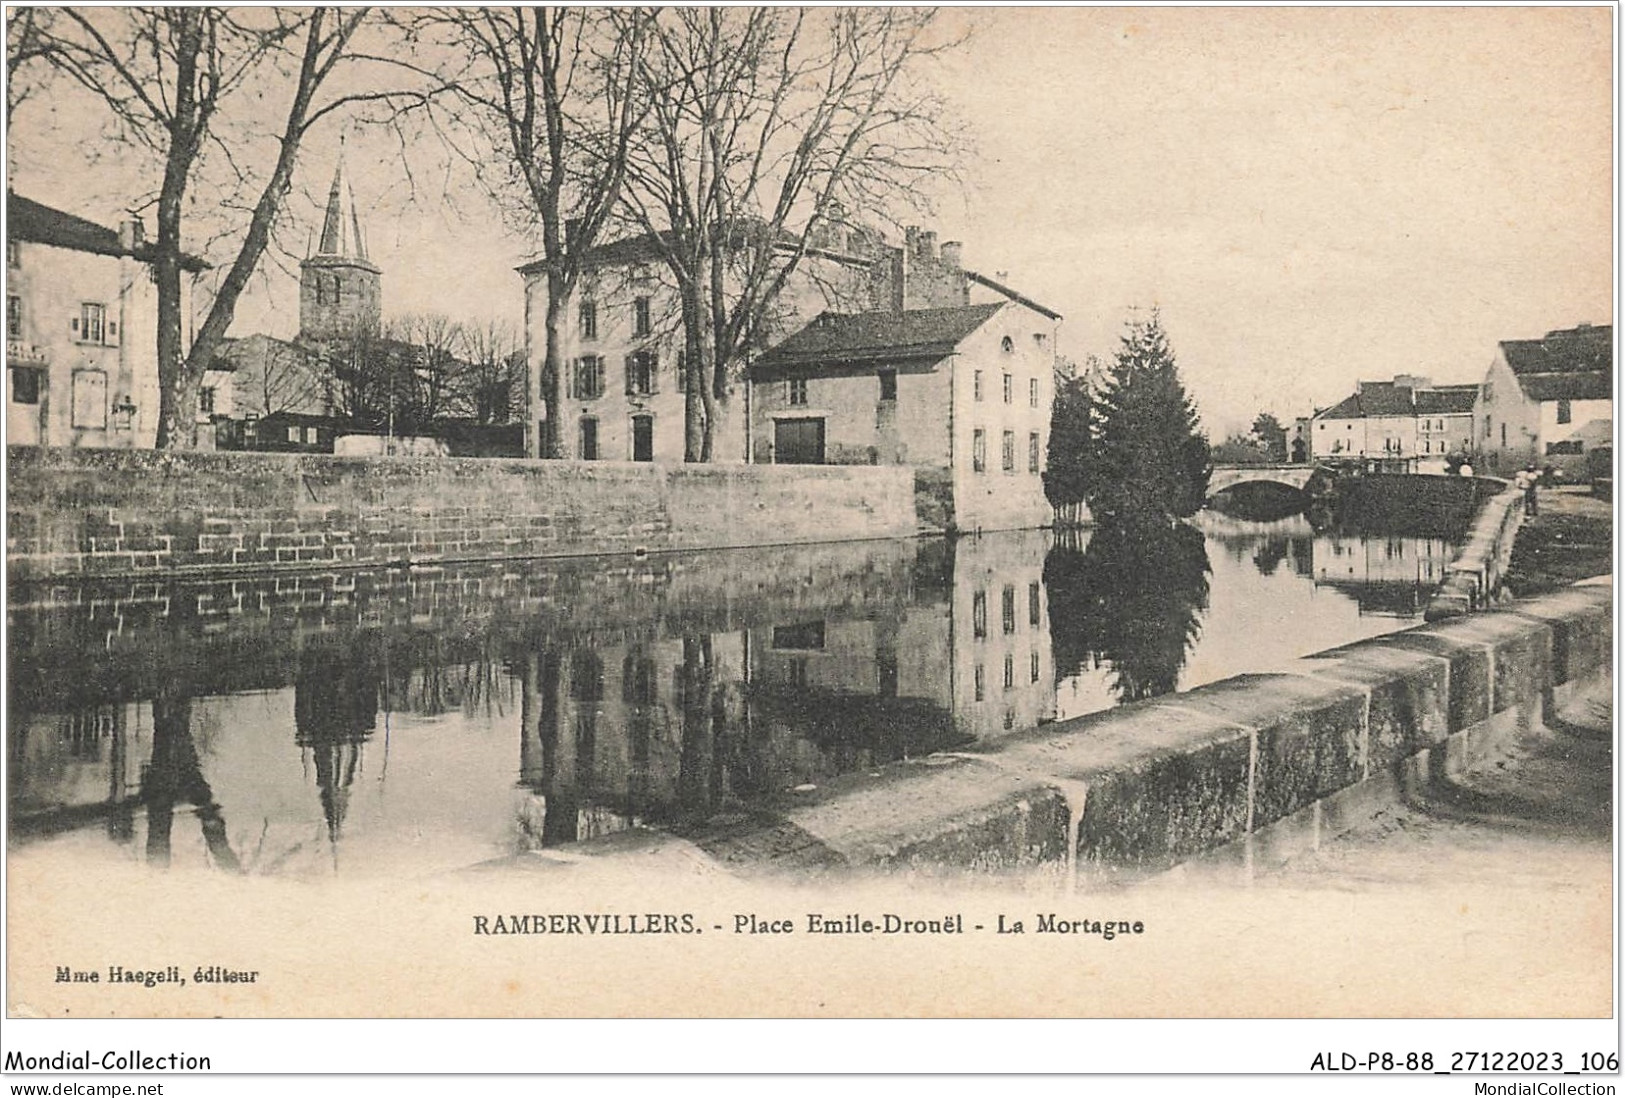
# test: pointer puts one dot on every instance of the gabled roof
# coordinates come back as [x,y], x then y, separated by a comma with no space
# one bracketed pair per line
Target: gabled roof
[645,248]
[1347,408]
[1567,364]
[1446,400]
[843,338]
[1566,351]
[1013,295]
[1594,385]
[1384,398]
[38,223]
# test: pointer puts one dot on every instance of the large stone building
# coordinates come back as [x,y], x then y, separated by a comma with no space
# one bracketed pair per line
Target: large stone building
[1548,401]
[621,396]
[82,331]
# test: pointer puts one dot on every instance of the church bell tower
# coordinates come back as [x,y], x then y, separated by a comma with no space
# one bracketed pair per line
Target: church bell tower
[340,295]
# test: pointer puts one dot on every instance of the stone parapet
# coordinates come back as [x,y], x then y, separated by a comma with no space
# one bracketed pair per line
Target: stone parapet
[99,513]
[1257,759]
[1473,579]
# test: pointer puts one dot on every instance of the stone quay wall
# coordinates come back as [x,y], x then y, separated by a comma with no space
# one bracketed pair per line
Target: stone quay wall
[1424,504]
[98,513]
[1474,578]
[1258,766]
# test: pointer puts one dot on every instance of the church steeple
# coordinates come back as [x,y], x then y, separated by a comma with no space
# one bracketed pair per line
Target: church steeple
[340,295]
[341,229]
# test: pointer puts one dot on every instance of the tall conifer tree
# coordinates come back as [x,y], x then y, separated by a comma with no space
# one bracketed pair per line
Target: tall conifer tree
[1151,457]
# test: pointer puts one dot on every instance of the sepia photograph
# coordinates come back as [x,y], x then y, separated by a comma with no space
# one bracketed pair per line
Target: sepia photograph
[811,513]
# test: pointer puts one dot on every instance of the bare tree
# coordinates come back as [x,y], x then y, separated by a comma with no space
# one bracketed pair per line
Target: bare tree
[761,122]
[189,87]
[546,94]
[495,375]
[27,44]
[271,376]
[433,383]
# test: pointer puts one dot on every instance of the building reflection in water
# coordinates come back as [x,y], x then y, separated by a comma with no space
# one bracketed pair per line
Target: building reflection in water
[1390,575]
[683,729]
[73,769]
[679,691]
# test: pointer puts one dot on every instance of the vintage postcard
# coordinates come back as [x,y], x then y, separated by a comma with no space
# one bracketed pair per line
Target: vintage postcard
[810,513]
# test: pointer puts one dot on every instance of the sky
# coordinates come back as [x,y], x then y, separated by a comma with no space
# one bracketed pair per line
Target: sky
[1310,196]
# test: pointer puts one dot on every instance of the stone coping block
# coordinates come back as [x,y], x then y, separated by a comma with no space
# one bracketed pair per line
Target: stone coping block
[943,810]
[1408,696]
[1517,648]
[1150,783]
[1582,624]
[1310,735]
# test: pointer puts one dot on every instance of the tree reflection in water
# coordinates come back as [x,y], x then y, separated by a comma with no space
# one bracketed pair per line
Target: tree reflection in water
[1132,600]
[175,775]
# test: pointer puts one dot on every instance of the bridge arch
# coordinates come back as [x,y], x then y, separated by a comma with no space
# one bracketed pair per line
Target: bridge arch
[1228,476]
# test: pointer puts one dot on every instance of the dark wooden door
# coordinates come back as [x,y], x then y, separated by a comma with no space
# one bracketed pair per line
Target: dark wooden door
[643,438]
[798,442]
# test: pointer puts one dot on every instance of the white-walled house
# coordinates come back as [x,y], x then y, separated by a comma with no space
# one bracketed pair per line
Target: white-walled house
[1548,401]
[962,394]
[81,331]
[1404,425]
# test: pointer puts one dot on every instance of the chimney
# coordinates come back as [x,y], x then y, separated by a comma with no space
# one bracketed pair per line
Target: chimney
[951,250]
[928,245]
[131,235]
[911,239]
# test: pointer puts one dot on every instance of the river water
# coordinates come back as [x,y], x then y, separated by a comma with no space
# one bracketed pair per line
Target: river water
[413,721]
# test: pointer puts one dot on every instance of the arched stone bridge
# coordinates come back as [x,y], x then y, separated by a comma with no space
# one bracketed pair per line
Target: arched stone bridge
[1228,476]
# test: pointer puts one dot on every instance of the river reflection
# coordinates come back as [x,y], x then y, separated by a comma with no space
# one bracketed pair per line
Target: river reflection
[415,721]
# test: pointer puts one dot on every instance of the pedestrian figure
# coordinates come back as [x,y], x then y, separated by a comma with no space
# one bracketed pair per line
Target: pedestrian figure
[1527,480]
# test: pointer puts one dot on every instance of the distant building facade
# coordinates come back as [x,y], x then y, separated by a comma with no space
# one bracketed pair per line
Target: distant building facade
[1548,401]
[1405,425]
[81,331]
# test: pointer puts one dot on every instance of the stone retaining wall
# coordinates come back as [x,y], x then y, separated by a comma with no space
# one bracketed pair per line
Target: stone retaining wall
[123,512]
[1473,579]
[1251,758]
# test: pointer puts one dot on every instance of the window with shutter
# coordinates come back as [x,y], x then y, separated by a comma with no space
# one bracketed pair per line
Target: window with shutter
[588,378]
[92,322]
[640,373]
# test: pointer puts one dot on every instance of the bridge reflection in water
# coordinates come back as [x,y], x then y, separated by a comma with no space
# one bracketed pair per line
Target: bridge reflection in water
[408,722]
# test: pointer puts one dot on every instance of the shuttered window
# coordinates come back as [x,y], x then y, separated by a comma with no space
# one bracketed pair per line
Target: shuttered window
[642,373]
[587,379]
